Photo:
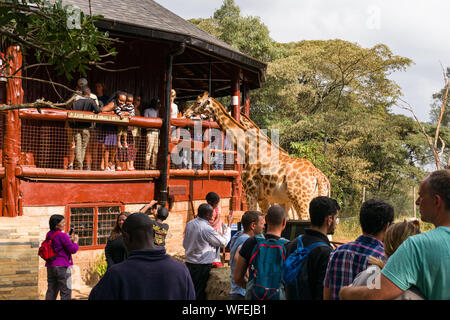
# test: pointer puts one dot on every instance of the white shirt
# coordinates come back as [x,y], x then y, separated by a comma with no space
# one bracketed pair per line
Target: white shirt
[201,241]
[174,111]
[92,96]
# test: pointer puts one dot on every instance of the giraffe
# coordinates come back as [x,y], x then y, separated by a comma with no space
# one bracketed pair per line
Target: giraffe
[323,186]
[293,181]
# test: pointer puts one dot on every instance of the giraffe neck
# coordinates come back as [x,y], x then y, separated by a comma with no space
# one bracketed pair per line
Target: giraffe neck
[251,125]
[226,121]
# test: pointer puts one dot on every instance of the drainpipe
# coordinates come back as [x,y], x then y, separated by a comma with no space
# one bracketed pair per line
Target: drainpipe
[166,124]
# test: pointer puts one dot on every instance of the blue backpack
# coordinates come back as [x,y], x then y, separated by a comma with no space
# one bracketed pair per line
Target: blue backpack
[266,268]
[294,262]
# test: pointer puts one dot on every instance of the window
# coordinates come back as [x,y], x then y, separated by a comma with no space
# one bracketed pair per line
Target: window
[93,222]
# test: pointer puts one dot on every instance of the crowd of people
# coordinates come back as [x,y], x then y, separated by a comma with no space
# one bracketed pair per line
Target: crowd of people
[116,145]
[387,261]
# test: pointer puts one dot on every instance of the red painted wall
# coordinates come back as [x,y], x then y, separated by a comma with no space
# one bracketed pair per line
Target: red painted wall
[63,193]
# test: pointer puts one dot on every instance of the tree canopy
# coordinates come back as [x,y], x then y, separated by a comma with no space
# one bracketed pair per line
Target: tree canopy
[332,102]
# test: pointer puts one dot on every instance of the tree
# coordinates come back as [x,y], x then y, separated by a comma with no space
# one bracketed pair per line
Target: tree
[325,75]
[247,34]
[56,36]
[436,106]
[433,143]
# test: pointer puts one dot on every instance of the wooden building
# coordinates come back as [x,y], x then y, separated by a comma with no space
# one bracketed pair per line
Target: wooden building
[168,53]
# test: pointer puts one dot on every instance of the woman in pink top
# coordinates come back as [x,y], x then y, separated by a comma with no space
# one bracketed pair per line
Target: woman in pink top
[58,269]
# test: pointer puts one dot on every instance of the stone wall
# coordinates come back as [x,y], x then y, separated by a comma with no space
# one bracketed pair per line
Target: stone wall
[23,274]
[19,262]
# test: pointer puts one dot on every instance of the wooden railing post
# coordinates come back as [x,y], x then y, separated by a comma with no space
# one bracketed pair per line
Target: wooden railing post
[11,143]
[236,110]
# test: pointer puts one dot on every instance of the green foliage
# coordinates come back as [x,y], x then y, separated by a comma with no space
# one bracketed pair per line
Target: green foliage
[247,34]
[100,265]
[56,34]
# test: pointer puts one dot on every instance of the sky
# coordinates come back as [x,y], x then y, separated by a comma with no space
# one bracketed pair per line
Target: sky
[415,29]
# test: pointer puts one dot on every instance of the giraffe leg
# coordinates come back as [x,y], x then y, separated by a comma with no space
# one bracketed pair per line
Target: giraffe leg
[300,202]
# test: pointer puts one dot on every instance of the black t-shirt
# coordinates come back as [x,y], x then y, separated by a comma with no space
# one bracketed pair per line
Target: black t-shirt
[115,251]
[249,245]
[316,263]
[159,233]
[84,104]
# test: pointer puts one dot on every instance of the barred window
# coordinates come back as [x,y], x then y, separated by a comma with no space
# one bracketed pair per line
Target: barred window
[93,222]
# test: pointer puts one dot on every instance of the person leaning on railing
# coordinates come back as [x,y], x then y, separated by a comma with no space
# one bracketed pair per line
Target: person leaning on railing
[151,150]
[80,130]
[109,132]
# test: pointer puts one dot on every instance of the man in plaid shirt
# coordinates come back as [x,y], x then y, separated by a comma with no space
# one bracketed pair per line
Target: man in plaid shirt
[348,260]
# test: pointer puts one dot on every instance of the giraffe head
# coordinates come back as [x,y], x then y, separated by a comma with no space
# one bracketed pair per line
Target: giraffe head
[203,105]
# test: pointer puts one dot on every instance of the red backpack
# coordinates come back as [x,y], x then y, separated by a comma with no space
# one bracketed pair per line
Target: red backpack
[46,251]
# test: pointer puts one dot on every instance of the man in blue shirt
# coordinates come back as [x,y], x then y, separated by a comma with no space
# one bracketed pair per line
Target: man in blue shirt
[253,224]
[422,260]
[148,273]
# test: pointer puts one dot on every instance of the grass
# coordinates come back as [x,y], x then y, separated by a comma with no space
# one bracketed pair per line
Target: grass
[349,229]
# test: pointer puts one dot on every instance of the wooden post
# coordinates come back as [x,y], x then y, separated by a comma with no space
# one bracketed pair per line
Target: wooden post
[11,140]
[246,99]
[236,111]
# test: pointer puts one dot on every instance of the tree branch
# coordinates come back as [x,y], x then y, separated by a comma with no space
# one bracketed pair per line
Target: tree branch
[23,41]
[37,104]
[430,141]
[444,104]
[40,80]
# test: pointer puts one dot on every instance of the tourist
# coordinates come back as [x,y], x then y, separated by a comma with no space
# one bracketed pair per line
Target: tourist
[216,222]
[109,133]
[160,228]
[422,260]
[308,285]
[395,236]
[201,243]
[115,251]
[58,269]
[148,273]
[348,260]
[253,224]
[100,93]
[250,257]
[81,130]
[151,151]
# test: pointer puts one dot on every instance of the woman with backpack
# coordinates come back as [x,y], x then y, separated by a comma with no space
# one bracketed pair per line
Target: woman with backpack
[58,267]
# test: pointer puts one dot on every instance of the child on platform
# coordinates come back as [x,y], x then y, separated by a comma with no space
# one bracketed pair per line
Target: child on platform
[123,130]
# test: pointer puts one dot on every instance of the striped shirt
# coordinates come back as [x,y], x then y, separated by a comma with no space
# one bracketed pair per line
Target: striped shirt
[348,260]
[126,108]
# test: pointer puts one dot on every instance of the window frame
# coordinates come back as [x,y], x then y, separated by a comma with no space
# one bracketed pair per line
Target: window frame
[95,206]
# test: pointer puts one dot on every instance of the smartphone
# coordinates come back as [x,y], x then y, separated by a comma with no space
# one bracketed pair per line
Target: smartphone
[71,231]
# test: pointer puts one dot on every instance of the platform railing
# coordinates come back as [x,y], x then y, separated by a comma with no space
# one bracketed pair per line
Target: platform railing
[46,143]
